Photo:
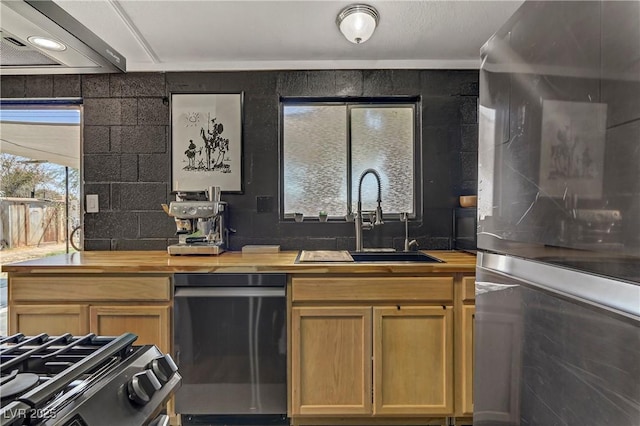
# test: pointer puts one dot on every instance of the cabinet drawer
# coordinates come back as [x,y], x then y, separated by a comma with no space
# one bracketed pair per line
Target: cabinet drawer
[468,289]
[369,289]
[61,288]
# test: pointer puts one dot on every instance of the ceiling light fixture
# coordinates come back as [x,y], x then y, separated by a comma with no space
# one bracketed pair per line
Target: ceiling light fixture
[46,43]
[357,22]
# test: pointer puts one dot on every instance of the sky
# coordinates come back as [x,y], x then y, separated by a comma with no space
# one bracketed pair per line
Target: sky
[67,116]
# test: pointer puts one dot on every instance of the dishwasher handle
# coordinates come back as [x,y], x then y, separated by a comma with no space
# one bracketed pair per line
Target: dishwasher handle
[229,292]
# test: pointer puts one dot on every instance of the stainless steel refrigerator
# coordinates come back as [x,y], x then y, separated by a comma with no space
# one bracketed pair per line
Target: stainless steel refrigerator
[557,323]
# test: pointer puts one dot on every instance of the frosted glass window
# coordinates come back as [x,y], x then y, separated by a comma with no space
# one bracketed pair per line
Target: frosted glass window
[382,138]
[315,159]
[326,147]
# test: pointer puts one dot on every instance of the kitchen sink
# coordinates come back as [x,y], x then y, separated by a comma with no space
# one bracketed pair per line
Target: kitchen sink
[392,256]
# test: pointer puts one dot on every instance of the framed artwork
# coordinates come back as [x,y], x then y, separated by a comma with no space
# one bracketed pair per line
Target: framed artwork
[572,153]
[206,141]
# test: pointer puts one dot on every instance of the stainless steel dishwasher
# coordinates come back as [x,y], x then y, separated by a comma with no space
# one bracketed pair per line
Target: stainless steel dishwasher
[230,346]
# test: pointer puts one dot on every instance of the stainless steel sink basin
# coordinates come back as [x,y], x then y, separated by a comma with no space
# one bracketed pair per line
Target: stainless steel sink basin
[394,256]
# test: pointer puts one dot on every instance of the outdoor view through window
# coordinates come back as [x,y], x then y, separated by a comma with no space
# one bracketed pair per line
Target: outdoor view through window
[39,184]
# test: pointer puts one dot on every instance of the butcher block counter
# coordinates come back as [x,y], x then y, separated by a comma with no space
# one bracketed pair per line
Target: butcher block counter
[159,262]
[386,307]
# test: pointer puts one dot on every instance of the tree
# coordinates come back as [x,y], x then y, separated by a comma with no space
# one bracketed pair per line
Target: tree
[57,186]
[21,177]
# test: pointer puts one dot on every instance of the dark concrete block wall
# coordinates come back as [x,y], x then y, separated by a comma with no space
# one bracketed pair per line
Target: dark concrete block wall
[127,151]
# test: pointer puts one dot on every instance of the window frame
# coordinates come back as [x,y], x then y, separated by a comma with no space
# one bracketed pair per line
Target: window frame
[356,102]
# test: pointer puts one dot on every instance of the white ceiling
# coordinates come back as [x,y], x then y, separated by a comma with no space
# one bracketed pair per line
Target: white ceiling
[208,35]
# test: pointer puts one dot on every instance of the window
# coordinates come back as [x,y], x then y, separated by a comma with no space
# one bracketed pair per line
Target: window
[327,145]
[40,176]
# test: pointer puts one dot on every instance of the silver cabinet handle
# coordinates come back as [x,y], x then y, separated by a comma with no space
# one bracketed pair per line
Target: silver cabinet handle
[229,292]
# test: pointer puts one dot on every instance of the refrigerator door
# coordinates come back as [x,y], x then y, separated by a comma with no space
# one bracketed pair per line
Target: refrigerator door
[550,352]
[559,128]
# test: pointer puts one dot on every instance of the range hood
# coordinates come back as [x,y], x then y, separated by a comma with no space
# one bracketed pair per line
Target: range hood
[84,52]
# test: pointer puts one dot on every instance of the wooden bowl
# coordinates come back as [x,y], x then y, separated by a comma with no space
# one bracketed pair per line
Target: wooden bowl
[468,200]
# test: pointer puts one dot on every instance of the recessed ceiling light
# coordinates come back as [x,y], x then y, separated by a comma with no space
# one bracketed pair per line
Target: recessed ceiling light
[46,43]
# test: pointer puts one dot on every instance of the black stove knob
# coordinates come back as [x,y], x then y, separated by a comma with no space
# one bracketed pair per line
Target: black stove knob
[142,386]
[163,368]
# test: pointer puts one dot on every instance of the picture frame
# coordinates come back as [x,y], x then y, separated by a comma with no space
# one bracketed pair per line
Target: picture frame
[572,151]
[206,141]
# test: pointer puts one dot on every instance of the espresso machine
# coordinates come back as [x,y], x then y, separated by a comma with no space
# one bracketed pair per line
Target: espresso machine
[201,220]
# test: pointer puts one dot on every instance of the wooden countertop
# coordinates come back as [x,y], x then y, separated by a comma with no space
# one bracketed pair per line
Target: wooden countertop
[160,262]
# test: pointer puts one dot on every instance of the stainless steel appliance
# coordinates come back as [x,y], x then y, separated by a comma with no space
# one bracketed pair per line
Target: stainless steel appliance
[201,222]
[83,381]
[557,325]
[82,51]
[230,345]
[554,345]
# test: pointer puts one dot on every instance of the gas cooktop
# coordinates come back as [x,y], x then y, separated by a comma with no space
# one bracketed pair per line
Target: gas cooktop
[83,380]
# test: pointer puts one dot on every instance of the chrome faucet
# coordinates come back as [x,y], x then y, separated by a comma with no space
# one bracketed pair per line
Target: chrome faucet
[404,217]
[360,223]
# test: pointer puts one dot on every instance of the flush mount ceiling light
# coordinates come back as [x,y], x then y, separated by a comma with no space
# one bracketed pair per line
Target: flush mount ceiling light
[46,43]
[357,22]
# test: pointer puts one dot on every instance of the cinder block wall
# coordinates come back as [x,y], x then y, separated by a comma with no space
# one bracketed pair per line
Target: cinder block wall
[127,152]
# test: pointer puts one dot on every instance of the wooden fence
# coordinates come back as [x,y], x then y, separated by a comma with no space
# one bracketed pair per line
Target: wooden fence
[31,222]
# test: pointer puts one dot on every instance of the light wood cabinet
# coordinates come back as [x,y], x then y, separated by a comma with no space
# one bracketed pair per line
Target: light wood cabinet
[51,319]
[105,304]
[86,288]
[387,354]
[468,289]
[468,313]
[373,289]
[331,360]
[85,303]
[413,360]
[149,323]
[464,306]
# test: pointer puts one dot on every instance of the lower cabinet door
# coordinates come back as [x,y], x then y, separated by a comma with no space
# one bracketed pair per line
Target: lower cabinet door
[413,360]
[51,319]
[468,313]
[331,361]
[149,323]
